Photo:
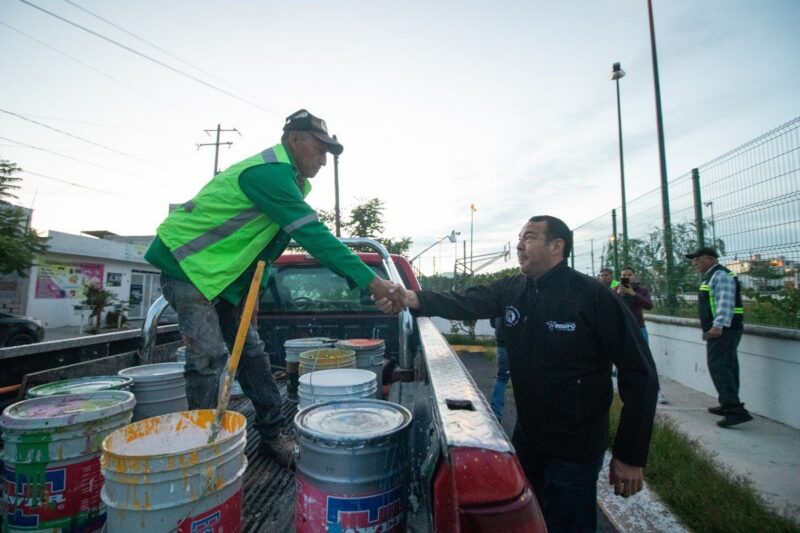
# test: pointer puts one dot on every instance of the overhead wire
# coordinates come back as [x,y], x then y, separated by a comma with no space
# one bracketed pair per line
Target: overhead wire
[160,49]
[137,176]
[83,139]
[90,67]
[149,58]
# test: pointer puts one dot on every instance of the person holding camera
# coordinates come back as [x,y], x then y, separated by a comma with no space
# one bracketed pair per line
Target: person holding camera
[636,297]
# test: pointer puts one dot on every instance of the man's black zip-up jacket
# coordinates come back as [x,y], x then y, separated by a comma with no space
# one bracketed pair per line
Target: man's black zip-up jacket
[562,333]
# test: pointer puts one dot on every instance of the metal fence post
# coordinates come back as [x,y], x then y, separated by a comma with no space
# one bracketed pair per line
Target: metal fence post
[614,237]
[698,209]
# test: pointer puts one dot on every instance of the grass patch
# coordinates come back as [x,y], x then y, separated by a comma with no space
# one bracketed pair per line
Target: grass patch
[697,490]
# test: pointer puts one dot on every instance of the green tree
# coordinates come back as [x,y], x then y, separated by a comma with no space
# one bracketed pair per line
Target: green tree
[18,242]
[96,297]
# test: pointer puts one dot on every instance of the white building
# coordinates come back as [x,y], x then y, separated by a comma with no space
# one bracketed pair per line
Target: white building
[55,285]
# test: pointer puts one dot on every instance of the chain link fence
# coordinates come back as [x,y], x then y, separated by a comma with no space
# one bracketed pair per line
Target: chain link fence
[746,203]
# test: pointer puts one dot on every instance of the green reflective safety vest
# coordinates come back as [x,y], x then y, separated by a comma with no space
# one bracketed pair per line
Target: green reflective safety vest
[217,234]
[707,308]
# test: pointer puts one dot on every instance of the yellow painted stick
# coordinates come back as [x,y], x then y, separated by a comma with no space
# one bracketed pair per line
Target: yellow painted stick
[238,346]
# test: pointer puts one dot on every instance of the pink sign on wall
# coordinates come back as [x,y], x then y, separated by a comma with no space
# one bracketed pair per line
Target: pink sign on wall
[66,280]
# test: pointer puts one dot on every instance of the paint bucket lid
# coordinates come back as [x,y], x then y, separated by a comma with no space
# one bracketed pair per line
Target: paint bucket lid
[338,378]
[360,344]
[66,409]
[352,420]
[80,385]
[308,343]
[155,372]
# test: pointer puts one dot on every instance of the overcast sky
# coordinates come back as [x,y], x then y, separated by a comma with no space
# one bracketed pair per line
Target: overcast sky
[507,105]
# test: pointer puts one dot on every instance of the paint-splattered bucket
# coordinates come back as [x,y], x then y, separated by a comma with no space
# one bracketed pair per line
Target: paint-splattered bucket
[159,389]
[161,475]
[293,349]
[338,384]
[80,386]
[326,359]
[352,466]
[369,354]
[51,468]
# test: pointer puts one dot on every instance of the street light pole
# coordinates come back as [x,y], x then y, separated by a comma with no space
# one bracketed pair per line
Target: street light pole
[669,260]
[471,220]
[616,74]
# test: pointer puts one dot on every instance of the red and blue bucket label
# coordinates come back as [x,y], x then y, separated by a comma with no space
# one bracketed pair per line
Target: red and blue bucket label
[62,498]
[375,512]
[226,517]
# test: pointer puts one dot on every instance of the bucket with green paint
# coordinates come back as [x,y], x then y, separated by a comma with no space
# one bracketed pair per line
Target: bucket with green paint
[51,468]
[81,385]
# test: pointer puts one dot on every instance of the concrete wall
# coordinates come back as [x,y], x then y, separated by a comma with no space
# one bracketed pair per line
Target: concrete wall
[769,364]
[482,327]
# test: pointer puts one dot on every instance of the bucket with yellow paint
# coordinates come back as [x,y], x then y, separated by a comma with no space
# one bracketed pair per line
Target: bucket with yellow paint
[326,359]
[161,475]
[51,468]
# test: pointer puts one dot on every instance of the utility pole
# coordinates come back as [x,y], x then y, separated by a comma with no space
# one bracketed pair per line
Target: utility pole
[216,145]
[336,187]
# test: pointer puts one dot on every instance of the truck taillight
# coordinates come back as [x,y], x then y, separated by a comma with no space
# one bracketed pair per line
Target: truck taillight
[484,491]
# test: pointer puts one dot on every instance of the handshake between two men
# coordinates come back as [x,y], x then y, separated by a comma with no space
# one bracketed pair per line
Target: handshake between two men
[391,298]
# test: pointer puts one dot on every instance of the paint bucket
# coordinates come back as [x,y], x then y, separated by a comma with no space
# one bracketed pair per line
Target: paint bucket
[326,359]
[51,469]
[352,466]
[369,354]
[293,348]
[80,386]
[159,388]
[236,389]
[338,384]
[161,475]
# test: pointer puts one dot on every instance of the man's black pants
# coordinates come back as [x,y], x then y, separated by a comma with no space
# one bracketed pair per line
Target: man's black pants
[723,365]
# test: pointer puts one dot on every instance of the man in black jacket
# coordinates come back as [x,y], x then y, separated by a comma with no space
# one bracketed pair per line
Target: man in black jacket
[563,330]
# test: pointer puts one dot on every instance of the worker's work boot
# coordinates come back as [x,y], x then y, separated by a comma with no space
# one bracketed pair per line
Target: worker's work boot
[733,419]
[281,448]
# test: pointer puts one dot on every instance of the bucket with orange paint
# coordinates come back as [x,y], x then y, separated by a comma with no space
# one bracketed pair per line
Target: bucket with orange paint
[51,469]
[161,475]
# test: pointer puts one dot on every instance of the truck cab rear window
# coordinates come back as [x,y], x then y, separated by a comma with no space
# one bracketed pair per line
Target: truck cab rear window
[302,288]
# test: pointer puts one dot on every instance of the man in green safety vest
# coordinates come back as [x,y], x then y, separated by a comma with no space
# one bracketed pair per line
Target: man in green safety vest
[207,250]
[719,304]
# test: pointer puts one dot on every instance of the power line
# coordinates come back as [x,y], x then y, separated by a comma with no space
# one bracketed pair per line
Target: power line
[112,78]
[114,150]
[82,161]
[145,56]
[162,50]
[78,185]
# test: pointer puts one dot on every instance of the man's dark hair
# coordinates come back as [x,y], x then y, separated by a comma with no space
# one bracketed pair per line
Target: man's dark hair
[628,268]
[556,229]
[608,270]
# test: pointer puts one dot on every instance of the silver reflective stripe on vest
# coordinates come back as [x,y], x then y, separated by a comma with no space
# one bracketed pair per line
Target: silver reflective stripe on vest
[300,222]
[215,235]
[269,156]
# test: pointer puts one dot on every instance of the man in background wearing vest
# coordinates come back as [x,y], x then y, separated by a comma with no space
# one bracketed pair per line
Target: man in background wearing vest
[207,250]
[719,305]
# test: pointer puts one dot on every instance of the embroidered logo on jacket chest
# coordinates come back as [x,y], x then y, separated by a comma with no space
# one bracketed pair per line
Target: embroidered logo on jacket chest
[568,327]
[511,318]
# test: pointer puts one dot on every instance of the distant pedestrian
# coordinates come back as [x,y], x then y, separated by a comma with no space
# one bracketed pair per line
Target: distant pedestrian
[719,305]
[637,298]
[606,277]
[503,373]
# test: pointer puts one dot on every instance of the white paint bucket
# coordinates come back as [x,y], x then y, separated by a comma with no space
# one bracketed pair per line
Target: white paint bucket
[352,466]
[161,475]
[338,384]
[294,347]
[159,388]
[51,468]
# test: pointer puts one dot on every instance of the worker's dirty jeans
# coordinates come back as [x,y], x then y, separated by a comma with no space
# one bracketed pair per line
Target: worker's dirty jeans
[209,331]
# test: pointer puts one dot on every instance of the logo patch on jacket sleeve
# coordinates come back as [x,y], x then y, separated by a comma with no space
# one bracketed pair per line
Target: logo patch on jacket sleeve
[552,325]
[511,317]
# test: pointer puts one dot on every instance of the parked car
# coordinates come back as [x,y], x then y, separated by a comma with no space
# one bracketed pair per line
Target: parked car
[16,330]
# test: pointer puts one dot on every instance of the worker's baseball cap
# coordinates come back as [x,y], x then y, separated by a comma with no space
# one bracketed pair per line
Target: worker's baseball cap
[302,120]
[711,252]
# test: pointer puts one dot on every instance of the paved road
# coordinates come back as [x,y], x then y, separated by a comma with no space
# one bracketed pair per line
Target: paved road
[483,372]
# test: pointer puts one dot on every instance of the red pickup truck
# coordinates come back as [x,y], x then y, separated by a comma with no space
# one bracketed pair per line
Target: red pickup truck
[464,475]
